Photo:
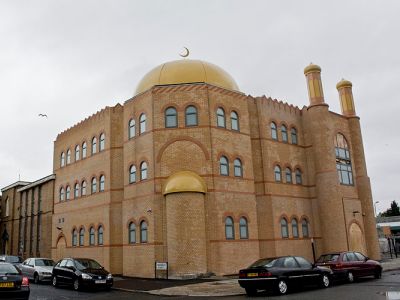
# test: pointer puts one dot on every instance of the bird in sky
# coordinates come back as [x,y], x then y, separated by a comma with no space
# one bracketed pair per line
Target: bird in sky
[42,115]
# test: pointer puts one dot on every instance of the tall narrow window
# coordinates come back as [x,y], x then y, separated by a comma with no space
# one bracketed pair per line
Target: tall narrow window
[288,175]
[7,207]
[94,145]
[91,236]
[94,185]
[343,160]
[84,149]
[284,134]
[102,183]
[220,117]
[76,190]
[77,152]
[229,229]
[132,174]
[67,192]
[143,232]
[62,159]
[81,237]
[100,236]
[237,164]
[132,233]
[234,121]
[102,143]
[299,179]
[293,133]
[243,228]
[131,128]
[171,117]
[278,175]
[295,228]
[68,157]
[83,188]
[223,166]
[74,238]
[284,228]
[142,125]
[191,116]
[304,228]
[62,194]
[143,171]
[274,131]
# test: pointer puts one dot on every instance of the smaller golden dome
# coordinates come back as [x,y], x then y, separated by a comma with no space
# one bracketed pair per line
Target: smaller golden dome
[344,83]
[312,68]
[184,181]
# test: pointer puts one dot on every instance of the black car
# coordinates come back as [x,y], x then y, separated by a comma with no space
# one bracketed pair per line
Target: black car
[279,274]
[81,273]
[12,284]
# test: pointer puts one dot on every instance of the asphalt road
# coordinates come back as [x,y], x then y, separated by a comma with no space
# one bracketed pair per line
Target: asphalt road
[364,289]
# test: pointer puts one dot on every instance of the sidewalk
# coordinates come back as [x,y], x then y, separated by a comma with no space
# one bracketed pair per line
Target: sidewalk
[210,287]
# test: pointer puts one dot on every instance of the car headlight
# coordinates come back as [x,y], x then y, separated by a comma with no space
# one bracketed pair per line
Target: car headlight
[109,276]
[86,276]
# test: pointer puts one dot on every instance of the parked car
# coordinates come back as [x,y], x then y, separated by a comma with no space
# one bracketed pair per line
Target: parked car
[280,274]
[12,259]
[350,265]
[38,269]
[13,285]
[81,273]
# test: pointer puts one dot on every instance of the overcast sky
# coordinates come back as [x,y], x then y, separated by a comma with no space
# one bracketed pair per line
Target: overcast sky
[69,59]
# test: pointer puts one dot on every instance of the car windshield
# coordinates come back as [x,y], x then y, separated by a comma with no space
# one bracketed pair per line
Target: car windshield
[264,262]
[328,258]
[83,264]
[6,269]
[44,262]
[13,259]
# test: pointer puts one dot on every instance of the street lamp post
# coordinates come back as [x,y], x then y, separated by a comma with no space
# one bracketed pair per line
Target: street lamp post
[376,202]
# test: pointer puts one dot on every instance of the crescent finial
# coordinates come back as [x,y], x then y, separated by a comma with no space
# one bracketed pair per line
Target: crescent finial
[185,54]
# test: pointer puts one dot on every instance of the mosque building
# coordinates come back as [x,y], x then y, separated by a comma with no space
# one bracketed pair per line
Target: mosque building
[193,172]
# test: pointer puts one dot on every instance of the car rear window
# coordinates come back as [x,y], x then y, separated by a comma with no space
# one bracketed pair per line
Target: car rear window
[13,259]
[328,258]
[83,264]
[8,269]
[44,262]
[264,262]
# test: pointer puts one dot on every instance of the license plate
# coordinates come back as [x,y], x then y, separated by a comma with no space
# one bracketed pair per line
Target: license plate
[100,281]
[6,284]
[252,274]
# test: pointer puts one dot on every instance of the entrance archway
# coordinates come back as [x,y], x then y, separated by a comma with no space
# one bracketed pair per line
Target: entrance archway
[356,238]
[60,248]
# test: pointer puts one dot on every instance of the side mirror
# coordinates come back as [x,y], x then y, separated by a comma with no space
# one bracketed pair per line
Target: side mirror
[366,258]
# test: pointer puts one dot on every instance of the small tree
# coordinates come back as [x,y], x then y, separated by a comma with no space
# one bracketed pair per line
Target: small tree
[394,210]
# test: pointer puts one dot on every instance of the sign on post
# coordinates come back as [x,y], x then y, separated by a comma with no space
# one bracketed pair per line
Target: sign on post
[161,268]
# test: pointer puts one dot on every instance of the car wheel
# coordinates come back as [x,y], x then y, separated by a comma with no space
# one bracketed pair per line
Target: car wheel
[76,285]
[55,283]
[325,281]
[250,291]
[378,274]
[36,278]
[282,287]
[350,277]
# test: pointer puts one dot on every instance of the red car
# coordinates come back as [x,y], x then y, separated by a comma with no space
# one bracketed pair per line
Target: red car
[350,265]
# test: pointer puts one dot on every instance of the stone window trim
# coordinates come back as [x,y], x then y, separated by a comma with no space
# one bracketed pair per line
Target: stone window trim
[277,170]
[77,152]
[229,225]
[130,240]
[102,135]
[302,219]
[132,165]
[273,128]
[77,186]
[173,112]
[288,171]
[132,220]
[144,161]
[235,111]
[284,224]
[93,145]
[84,150]
[100,190]
[74,237]
[62,159]
[143,220]
[84,185]
[298,173]
[220,117]
[245,226]
[283,127]
[93,184]
[344,164]
[295,223]
[67,189]
[131,125]
[229,214]
[61,194]
[237,164]
[197,109]
[241,215]
[99,225]
[68,157]
[92,233]
[296,131]
[223,161]
[143,120]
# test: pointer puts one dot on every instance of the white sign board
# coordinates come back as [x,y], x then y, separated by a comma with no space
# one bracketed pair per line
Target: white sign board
[162,266]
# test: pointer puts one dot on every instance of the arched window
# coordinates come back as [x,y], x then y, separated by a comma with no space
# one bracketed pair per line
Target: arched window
[102,183]
[171,117]
[94,185]
[220,117]
[243,228]
[299,179]
[83,188]
[293,133]
[142,125]
[304,228]
[223,166]
[76,190]
[191,116]
[81,237]
[68,157]
[94,145]
[278,175]
[100,235]
[284,134]
[74,238]
[132,174]
[229,229]
[62,159]
[7,204]
[237,164]
[274,131]
[131,128]
[84,149]
[91,236]
[67,192]
[343,160]
[295,228]
[132,233]
[77,152]
[143,232]
[288,175]
[234,121]
[143,170]
[62,194]
[284,228]
[102,143]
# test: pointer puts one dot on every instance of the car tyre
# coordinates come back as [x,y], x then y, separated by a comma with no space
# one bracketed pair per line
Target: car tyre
[54,281]
[325,281]
[251,292]
[76,285]
[378,274]
[36,278]
[282,287]
[350,277]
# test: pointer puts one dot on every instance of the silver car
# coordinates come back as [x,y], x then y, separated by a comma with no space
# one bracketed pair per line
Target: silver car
[38,269]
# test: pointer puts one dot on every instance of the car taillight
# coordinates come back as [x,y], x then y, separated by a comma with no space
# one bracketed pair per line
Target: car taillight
[265,274]
[242,275]
[25,281]
[338,266]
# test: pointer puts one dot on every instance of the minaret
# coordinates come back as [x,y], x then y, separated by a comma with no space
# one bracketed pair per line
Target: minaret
[362,181]
[314,84]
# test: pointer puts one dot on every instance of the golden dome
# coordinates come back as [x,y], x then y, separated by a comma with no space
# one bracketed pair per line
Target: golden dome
[343,83]
[312,68]
[186,71]
[184,181]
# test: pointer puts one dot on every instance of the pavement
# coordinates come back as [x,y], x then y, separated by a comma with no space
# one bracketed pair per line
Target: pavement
[208,287]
